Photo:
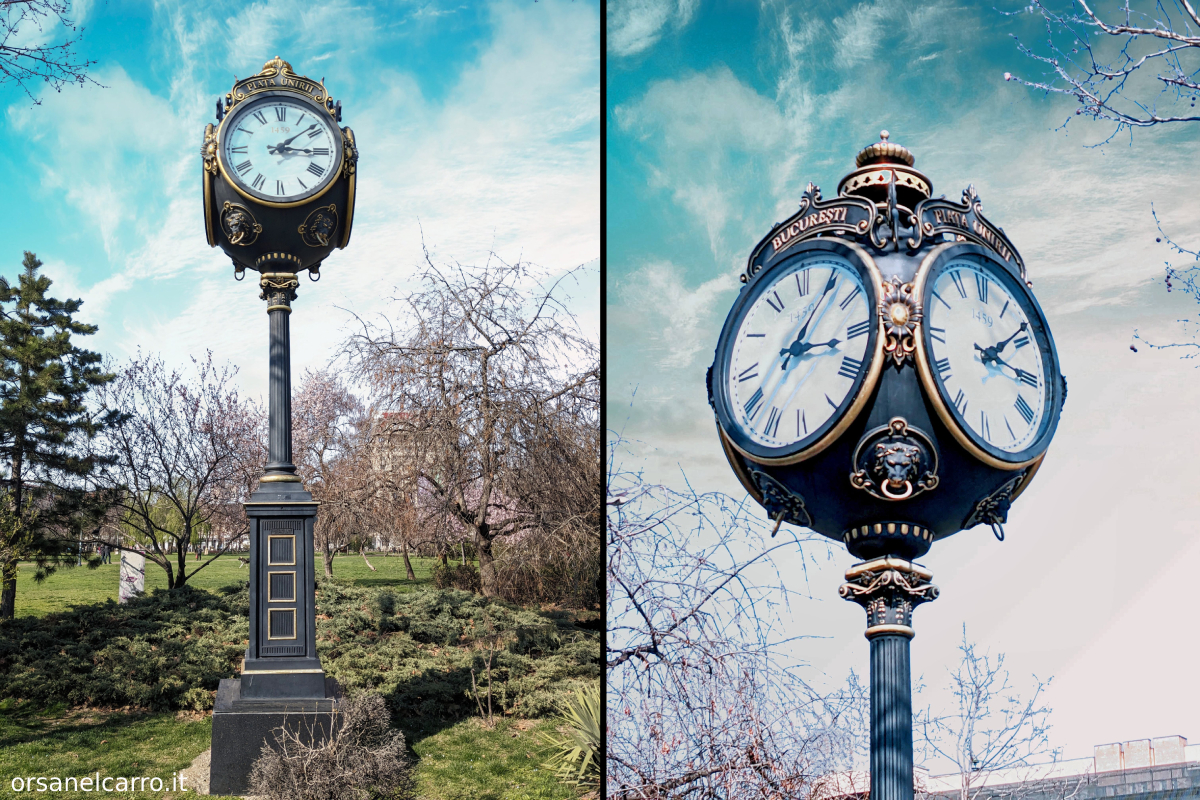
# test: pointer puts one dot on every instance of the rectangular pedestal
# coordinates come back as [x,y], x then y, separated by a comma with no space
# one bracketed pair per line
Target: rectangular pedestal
[242,726]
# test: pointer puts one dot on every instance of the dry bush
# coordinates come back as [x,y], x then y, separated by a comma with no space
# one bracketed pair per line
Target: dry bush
[363,760]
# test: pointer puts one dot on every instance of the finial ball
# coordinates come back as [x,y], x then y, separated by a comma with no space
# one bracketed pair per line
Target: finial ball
[883,135]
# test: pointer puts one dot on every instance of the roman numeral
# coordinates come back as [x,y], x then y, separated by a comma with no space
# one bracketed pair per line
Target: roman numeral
[241,149]
[981,286]
[1020,342]
[939,297]
[850,367]
[1027,378]
[958,283]
[248,133]
[983,426]
[259,180]
[943,368]
[858,329]
[320,151]
[1024,410]
[777,308]
[244,167]
[961,398]
[744,376]
[315,132]
[801,418]
[1006,302]
[832,404]
[849,298]
[261,117]
[316,170]
[802,282]
[938,333]
[773,418]
[752,405]
[278,187]
[755,335]
[302,116]
[302,184]
[281,113]
[1010,430]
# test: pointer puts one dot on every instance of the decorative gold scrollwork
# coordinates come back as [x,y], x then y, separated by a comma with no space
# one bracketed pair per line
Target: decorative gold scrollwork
[349,154]
[278,289]
[318,227]
[901,315]
[239,224]
[888,589]
[209,150]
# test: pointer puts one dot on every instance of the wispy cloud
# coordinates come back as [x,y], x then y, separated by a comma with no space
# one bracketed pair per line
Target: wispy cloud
[636,25]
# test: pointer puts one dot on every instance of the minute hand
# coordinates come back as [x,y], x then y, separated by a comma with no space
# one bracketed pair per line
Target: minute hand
[1001,345]
[829,284]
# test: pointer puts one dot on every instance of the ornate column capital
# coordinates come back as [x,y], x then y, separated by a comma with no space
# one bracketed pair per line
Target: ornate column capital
[279,290]
[888,589]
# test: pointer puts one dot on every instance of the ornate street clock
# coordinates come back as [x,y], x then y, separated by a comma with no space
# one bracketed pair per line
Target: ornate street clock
[279,174]
[886,378]
[279,178]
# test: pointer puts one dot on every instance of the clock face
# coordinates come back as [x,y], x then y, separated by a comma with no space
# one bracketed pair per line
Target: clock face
[990,355]
[280,149]
[798,353]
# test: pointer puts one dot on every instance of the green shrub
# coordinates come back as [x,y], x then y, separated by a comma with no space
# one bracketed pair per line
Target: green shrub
[170,649]
[165,650]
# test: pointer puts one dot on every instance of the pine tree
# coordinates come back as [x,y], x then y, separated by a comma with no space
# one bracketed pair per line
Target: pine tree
[45,427]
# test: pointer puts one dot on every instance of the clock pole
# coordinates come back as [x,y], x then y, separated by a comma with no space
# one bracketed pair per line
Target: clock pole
[898,463]
[278,217]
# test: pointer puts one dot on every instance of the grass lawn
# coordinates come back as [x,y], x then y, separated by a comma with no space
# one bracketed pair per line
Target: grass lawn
[462,762]
[71,586]
[79,743]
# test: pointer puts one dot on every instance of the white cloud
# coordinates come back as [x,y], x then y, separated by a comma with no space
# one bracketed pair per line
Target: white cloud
[508,160]
[711,136]
[637,25]
[670,320]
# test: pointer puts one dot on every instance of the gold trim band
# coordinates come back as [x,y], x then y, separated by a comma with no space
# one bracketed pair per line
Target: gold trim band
[280,308]
[278,672]
[879,630]
[279,479]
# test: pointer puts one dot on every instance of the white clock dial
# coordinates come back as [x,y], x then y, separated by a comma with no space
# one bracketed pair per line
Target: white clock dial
[983,352]
[280,150]
[799,351]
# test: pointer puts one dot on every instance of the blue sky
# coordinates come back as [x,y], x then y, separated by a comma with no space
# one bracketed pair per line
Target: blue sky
[478,122]
[718,115]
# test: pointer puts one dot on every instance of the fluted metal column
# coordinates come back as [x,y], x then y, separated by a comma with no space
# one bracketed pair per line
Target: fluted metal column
[888,589]
[279,289]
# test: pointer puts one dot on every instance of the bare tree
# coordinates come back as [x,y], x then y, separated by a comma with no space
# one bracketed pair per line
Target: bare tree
[1130,69]
[28,57]
[187,454]
[993,731]
[1136,69]
[328,442]
[493,361]
[698,701]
